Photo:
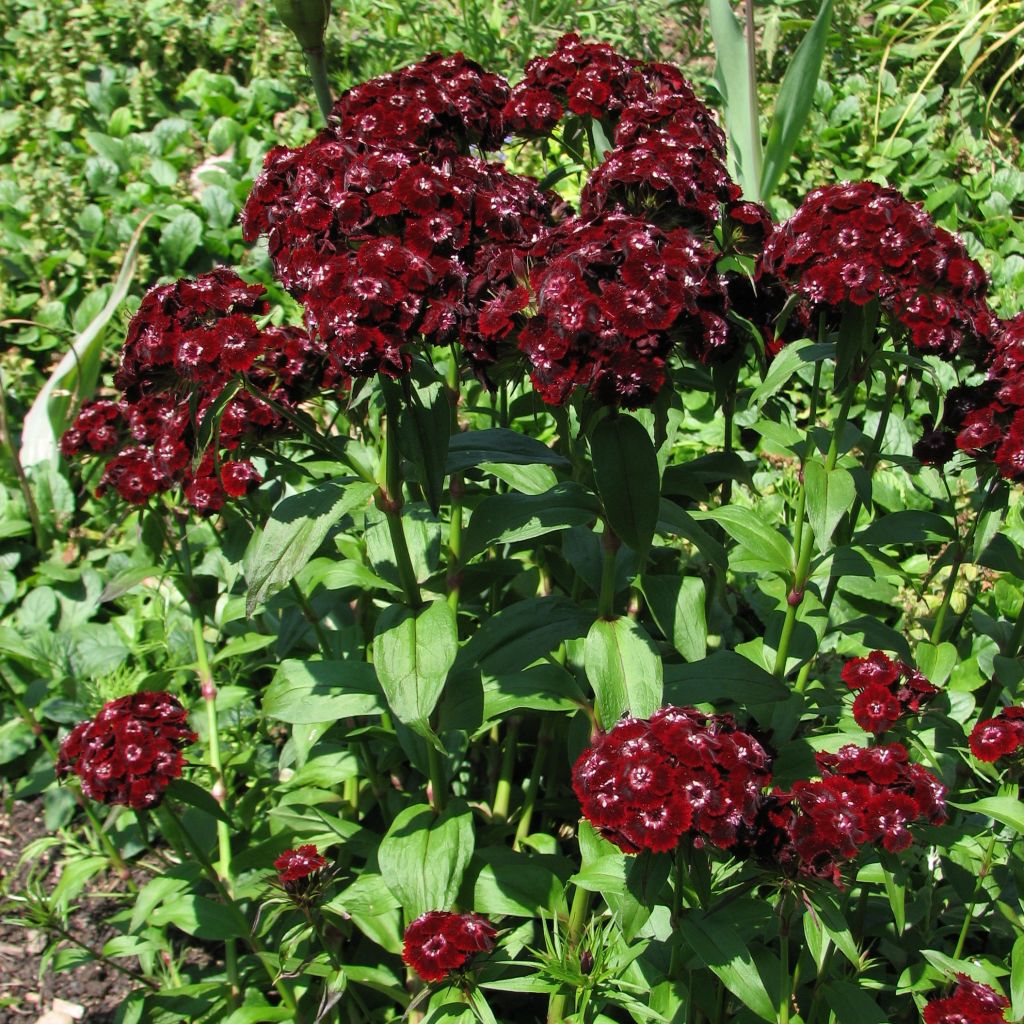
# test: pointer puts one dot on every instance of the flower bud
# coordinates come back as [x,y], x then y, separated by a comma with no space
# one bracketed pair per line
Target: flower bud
[307,19]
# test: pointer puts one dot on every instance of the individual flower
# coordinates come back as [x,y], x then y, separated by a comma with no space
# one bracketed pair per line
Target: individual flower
[998,737]
[439,942]
[299,863]
[129,753]
[971,1003]
[886,690]
[648,782]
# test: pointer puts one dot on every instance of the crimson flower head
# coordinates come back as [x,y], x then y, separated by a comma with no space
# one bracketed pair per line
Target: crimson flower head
[440,942]
[648,782]
[998,737]
[129,753]
[971,1003]
[299,863]
[887,690]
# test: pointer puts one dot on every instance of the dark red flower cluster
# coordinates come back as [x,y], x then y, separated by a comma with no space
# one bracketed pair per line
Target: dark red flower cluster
[859,241]
[998,737]
[440,942]
[129,753]
[972,1002]
[648,782]
[441,106]
[864,795]
[185,345]
[611,298]
[886,691]
[299,863]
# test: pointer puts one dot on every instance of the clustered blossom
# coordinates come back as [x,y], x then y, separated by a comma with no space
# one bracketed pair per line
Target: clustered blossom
[972,1002]
[440,942]
[648,782]
[185,345]
[864,795]
[886,691]
[129,753]
[611,298]
[985,420]
[858,241]
[994,738]
[300,863]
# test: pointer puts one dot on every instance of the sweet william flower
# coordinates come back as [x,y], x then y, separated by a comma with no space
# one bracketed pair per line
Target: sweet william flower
[439,942]
[129,753]
[299,863]
[998,737]
[971,1003]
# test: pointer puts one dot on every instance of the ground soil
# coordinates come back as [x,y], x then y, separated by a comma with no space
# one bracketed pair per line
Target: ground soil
[93,987]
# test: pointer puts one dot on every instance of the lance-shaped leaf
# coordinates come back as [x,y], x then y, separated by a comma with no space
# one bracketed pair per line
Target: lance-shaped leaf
[424,429]
[628,479]
[423,857]
[298,525]
[624,669]
[412,652]
[830,495]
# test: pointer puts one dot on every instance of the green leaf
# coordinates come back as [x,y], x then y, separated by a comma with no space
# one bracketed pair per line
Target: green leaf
[794,100]
[500,445]
[504,881]
[852,1005]
[725,676]
[423,857]
[541,688]
[1005,809]
[412,652]
[830,495]
[762,547]
[424,429]
[298,525]
[677,522]
[1017,979]
[628,479]
[507,518]
[191,794]
[311,692]
[677,606]
[721,947]
[524,633]
[197,916]
[908,526]
[74,377]
[179,239]
[785,364]
[624,669]
[732,79]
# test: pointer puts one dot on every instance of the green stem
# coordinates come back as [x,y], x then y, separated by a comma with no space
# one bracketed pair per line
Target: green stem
[390,499]
[532,789]
[503,787]
[457,489]
[31,509]
[559,1002]
[609,549]
[98,956]
[785,982]
[316,61]
[311,617]
[728,412]
[219,790]
[986,864]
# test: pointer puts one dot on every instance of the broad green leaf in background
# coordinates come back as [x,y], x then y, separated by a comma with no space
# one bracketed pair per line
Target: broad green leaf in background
[311,692]
[506,518]
[624,669]
[794,100]
[628,480]
[498,444]
[851,1004]
[423,856]
[830,495]
[74,377]
[412,653]
[180,237]
[762,547]
[677,605]
[1005,809]
[738,99]
[298,525]
[725,676]
[793,356]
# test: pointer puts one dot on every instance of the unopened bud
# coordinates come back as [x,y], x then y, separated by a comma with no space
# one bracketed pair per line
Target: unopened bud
[794,597]
[208,690]
[219,793]
[307,19]
[586,961]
